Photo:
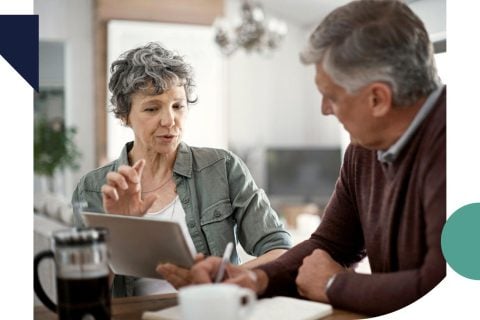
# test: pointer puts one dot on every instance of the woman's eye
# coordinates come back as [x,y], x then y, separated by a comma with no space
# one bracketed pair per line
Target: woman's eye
[150,109]
[179,106]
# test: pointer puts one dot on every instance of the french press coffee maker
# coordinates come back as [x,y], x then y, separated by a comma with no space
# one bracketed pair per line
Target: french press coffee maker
[81,267]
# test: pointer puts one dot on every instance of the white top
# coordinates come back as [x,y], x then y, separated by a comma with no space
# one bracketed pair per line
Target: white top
[172,212]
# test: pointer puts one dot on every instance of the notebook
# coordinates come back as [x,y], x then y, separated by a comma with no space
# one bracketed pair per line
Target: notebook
[278,308]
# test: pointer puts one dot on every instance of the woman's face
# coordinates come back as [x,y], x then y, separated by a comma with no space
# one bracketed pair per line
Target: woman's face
[157,120]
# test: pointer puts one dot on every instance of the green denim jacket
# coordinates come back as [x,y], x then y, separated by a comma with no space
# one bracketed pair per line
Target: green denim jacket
[221,201]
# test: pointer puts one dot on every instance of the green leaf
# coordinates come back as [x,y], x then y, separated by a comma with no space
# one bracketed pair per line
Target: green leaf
[54,147]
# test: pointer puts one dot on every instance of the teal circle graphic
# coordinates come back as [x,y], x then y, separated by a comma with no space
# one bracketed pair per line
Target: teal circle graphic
[461,241]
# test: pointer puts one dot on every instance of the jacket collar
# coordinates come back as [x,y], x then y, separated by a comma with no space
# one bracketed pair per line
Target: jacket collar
[183,162]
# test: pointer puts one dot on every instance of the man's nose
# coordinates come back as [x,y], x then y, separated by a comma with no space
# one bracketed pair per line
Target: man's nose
[326,107]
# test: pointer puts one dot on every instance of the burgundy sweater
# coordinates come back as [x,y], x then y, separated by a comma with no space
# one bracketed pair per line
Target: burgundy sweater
[393,213]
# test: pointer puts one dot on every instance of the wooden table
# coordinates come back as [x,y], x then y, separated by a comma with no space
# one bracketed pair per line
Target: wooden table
[132,308]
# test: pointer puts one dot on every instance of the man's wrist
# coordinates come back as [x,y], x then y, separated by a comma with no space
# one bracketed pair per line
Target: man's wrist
[260,279]
[330,282]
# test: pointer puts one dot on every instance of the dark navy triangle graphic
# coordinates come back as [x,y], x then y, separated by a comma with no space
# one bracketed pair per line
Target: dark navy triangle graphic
[19,45]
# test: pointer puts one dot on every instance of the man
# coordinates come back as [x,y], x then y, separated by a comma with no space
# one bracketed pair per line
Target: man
[376,73]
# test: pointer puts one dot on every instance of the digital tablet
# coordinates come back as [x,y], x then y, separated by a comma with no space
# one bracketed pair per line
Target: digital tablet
[138,244]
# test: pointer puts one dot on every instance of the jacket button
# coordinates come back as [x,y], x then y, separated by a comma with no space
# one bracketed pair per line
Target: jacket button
[186,200]
[191,224]
[217,214]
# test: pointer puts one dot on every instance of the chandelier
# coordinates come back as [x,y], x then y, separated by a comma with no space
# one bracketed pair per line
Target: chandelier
[254,33]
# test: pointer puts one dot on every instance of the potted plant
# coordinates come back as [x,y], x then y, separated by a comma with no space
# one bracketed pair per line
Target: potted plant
[54,148]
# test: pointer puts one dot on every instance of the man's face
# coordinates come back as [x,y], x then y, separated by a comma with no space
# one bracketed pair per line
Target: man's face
[352,110]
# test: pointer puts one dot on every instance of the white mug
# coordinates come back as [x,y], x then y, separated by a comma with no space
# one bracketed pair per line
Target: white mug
[215,302]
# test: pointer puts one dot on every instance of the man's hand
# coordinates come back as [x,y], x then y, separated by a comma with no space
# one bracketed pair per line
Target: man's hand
[256,280]
[314,273]
[206,270]
[178,277]
[122,194]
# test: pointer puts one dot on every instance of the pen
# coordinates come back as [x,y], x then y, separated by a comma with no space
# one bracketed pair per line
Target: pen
[226,257]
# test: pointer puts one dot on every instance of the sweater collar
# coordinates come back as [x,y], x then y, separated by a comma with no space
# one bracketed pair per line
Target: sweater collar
[391,154]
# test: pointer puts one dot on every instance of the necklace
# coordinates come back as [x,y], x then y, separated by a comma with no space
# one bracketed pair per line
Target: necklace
[169,206]
[159,187]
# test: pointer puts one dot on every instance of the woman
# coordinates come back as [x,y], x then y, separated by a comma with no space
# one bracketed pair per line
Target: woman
[210,192]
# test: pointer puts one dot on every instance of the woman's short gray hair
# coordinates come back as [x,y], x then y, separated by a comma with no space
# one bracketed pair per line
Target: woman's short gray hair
[375,40]
[143,67]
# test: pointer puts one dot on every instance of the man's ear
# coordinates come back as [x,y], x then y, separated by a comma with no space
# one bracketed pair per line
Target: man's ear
[380,99]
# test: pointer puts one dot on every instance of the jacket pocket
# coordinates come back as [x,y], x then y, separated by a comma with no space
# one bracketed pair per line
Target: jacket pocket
[217,223]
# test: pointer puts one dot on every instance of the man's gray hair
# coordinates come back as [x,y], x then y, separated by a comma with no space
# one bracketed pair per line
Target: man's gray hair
[375,40]
[148,66]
